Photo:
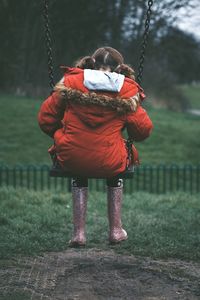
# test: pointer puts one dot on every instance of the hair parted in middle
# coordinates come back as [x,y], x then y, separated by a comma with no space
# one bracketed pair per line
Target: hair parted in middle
[103,58]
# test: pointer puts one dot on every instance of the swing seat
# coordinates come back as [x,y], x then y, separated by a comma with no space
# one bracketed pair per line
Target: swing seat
[57,171]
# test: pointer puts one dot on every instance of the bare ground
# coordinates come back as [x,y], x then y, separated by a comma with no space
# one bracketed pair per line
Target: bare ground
[95,274]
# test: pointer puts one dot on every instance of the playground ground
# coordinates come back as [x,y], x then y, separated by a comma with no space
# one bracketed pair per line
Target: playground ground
[95,274]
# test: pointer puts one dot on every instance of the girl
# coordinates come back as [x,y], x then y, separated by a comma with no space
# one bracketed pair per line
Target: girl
[85,116]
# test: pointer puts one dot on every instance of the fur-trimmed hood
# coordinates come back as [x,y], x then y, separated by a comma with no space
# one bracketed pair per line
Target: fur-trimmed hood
[120,105]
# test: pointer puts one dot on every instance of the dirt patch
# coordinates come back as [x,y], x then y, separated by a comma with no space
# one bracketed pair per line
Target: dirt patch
[95,274]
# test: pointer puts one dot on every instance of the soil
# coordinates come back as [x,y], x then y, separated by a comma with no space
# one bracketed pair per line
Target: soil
[95,274]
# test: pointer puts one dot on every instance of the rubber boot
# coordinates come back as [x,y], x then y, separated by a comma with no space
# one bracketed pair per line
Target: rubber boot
[79,198]
[114,197]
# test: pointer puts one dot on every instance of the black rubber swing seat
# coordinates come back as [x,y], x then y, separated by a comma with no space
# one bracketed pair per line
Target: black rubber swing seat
[57,171]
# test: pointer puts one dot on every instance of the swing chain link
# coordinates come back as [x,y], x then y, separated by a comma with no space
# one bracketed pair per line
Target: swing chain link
[144,42]
[129,143]
[48,43]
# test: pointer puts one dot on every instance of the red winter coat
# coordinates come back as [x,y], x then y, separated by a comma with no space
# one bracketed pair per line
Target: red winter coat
[86,126]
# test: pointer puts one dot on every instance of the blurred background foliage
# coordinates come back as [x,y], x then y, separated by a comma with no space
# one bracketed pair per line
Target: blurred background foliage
[171,76]
[79,27]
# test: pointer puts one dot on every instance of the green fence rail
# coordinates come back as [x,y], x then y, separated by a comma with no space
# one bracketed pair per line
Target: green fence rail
[154,179]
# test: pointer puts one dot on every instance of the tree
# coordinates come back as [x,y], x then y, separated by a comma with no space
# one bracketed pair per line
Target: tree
[78,28]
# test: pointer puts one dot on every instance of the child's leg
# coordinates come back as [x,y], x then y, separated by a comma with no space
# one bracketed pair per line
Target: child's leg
[114,198]
[79,198]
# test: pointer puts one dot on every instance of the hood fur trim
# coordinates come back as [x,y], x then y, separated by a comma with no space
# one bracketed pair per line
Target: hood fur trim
[121,105]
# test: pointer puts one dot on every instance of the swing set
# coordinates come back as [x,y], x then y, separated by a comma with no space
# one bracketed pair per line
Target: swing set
[56,170]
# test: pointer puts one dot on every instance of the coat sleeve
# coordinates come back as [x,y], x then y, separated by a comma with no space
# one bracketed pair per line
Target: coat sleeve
[51,114]
[139,125]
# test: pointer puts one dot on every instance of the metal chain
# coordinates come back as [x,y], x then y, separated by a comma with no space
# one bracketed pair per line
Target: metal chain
[48,43]
[144,42]
[130,141]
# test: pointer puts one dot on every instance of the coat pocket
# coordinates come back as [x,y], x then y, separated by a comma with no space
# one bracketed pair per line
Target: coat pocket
[58,135]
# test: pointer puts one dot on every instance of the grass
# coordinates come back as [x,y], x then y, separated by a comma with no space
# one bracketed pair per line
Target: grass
[21,139]
[17,295]
[158,226]
[193,94]
[174,138]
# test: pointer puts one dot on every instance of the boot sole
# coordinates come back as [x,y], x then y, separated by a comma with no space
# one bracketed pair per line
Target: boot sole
[76,244]
[115,242]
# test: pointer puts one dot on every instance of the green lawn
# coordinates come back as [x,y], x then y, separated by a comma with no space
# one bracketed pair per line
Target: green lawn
[21,139]
[175,138]
[158,226]
[193,94]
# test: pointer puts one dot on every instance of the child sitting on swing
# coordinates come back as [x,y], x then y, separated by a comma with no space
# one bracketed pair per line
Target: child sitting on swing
[85,115]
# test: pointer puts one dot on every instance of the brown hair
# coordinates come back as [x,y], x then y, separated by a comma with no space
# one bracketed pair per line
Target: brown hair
[106,57]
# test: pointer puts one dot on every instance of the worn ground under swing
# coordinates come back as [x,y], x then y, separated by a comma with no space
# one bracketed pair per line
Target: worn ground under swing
[96,274]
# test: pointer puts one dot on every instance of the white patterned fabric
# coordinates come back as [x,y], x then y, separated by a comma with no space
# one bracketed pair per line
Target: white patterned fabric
[97,80]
